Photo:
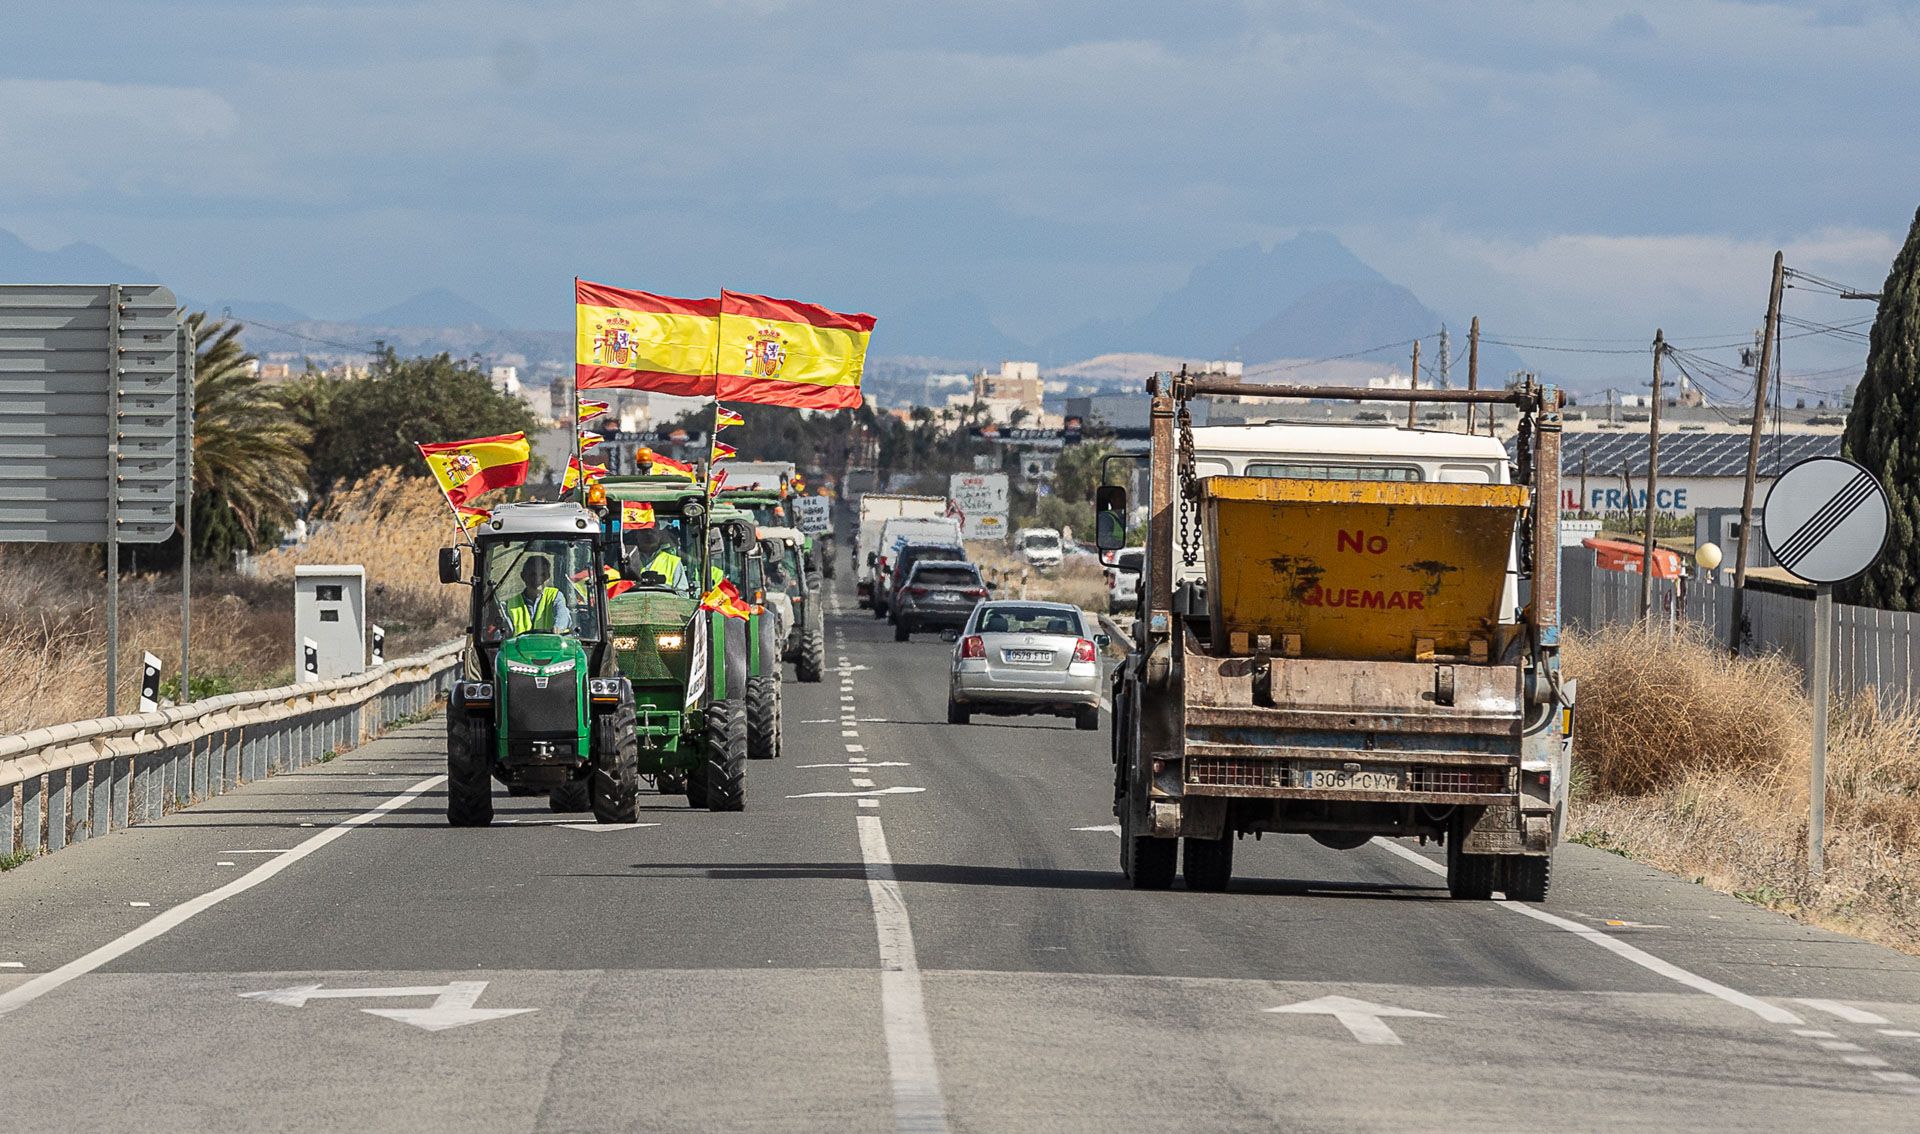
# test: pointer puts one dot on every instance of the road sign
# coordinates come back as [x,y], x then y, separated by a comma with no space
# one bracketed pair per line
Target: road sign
[1825,520]
[979,502]
[814,513]
[1359,1017]
[90,401]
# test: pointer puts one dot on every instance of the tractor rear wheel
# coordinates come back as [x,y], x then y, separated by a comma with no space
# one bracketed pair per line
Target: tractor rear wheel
[469,779]
[724,775]
[763,718]
[697,786]
[570,796]
[812,661]
[615,780]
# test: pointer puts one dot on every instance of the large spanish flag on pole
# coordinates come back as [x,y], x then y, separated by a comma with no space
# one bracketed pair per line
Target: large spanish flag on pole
[782,352]
[640,341]
[465,469]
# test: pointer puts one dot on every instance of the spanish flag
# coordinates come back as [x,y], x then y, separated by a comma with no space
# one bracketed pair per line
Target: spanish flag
[664,466]
[723,417]
[727,599]
[470,517]
[588,439]
[591,410]
[465,469]
[636,514]
[572,476]
[783,352]
[640,341]
[722,451]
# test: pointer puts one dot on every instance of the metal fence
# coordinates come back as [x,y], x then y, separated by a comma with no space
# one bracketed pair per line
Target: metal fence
[69,782]
[1873,650]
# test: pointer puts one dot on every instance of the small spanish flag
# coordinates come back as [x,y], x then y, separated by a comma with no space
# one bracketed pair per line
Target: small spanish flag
[572,476]
[718,480]
[588,439]
[665,466]
[783,352]
[635,514]
[723,451]
[640,341]
[591,410]
[727,599]
[465,469]
[723,417]
[470,517]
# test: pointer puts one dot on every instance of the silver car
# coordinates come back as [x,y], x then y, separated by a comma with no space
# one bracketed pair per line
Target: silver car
[1018,657]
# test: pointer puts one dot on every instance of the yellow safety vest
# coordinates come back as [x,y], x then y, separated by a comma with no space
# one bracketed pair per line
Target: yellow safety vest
[538,616]
[665,564]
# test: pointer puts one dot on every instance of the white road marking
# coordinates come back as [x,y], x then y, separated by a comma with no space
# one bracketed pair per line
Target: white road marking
[846,696]
[1838,1045]
[1772,1014]
[144,905]
[851,794]
[1358,1016]
[13,964]
[1899,1033]
[860,764]
[134,938]
[223,863]
[1863,1061]
[862,781]
[1111,828]
[868,802]
[849,732]
[917,1104]
[601,828]
[1834,1008]
[856,748]
[1894,1077]
[281,850]
[1812,1033]
[851,760]
[452,1007]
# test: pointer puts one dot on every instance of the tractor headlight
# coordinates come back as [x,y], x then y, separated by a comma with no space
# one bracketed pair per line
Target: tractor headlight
[670,641]
[626,641]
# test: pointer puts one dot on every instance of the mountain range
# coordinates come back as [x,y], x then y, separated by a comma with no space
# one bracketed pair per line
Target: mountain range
[1306,297]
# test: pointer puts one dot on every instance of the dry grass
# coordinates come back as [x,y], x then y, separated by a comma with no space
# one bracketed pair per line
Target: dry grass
[53,603]
[1698,764]
[1078,581]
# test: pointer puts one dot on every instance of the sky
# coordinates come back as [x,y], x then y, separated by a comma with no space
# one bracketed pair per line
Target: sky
[1566,170]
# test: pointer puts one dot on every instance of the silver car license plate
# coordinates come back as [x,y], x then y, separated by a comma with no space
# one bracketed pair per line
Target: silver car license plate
[1029,657]
[1367,779]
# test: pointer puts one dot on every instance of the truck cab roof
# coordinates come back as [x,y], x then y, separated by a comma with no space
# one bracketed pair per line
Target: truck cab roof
[558,520]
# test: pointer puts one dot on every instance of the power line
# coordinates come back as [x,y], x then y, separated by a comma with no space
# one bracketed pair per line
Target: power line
[226,313]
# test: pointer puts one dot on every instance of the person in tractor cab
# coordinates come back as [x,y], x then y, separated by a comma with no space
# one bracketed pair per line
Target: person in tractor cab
[539,607]
[652,554]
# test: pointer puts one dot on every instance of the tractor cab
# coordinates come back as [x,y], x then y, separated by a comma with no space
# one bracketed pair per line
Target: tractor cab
[536,586]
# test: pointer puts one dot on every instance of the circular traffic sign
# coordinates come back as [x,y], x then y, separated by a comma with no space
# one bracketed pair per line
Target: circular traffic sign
[1825,520]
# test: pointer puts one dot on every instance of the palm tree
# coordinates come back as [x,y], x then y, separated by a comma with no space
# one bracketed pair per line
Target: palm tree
[249,467]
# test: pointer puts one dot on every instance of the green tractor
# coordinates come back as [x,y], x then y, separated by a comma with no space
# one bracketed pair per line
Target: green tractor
[542,705]
[743,560]
[792,580]
[691,668]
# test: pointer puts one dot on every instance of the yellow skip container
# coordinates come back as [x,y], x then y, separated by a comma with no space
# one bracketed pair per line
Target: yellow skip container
[1360,570]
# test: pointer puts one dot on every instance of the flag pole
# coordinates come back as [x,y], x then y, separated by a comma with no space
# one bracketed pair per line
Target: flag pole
[573,403]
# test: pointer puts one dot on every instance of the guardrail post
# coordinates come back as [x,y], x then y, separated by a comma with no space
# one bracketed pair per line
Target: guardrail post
[10,818]
[59,795]
[33,812]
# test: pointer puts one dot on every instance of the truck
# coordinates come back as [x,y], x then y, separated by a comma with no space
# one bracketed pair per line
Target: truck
[541,704]
[1347,632]
[894,536]
[876,508]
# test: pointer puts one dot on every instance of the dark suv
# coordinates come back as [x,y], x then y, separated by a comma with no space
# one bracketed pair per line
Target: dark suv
[903,566]
[939,594]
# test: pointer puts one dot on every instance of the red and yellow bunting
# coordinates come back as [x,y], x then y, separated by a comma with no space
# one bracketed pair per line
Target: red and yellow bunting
[636,514]
[784,352]
[727,599]
[465,469]
[723,452]
[588,439]
[723,417]
[640,341]
[591,410]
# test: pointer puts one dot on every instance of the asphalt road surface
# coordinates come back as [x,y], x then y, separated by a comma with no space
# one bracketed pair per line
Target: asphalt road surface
[915,926]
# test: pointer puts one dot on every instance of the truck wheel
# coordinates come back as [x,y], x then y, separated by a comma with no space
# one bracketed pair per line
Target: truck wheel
[1087,719]
[812,661]
[1209,863]
[469,780]
[1526,877]
[614,784]
[957,713]
[724,777]
[901,632]
[763,718]
[1470,877]
[570,796]
[1147,862]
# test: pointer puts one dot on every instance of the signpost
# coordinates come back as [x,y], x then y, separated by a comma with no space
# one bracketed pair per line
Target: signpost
[91,433]
[1825,521]
[979,502]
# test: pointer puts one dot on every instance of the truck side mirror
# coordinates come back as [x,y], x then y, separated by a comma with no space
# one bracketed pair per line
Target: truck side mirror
[1110,517]
[450,565]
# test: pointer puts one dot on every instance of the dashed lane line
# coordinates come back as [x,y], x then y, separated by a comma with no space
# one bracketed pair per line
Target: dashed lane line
[1845,1012]
[917,1102]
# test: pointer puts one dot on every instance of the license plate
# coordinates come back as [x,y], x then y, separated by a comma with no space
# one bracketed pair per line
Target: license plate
[1367,779]
[1029,657]
[941,596]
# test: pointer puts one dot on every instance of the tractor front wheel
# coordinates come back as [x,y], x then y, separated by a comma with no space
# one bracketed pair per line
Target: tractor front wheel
[763,718]
[724,774]
[469,779]
[615,780]
[812,661]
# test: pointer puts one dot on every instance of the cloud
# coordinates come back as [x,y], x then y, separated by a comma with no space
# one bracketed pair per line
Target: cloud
[60,136]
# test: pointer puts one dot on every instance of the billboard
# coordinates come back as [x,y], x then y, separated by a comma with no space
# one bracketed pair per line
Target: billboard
[979,502]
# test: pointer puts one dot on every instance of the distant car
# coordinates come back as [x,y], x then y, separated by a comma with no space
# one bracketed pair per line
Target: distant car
[1016,657]
[1039,547]
[1122,572]
[903,562]
[939,594]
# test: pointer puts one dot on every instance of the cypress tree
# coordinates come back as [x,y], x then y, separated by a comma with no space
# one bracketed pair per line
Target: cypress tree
[1883,432]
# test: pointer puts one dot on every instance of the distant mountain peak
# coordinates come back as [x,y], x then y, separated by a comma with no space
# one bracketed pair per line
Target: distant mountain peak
[435,307]
[75,263]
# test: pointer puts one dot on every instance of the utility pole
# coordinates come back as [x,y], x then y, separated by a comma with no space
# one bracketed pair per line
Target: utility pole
[1735,633]
[1653,479]
[1473,371]
[1446,359]
[1411,406]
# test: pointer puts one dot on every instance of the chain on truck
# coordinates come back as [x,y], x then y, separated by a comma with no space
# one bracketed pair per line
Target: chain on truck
[1349,632]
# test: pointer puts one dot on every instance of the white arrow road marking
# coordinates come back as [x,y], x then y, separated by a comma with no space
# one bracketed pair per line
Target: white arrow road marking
[1111,828]
[1834,1008]
[453,1004]
[1360,1017]
[861,764]
[603,827]
[849,794]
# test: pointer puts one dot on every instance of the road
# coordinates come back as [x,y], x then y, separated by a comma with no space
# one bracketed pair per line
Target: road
[914,926]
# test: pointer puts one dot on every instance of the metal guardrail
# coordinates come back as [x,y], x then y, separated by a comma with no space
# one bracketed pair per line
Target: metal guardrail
[69,782]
